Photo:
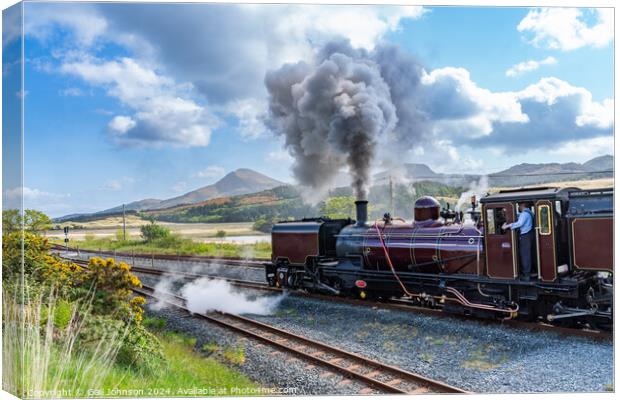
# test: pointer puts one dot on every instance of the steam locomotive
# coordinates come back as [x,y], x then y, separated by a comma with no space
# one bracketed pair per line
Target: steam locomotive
[463,264]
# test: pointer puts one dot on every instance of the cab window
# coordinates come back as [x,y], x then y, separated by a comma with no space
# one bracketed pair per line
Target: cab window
[496,217]
[544,219]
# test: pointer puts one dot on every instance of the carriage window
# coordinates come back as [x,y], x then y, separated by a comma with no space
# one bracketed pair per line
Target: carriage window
[544,220]
[558,207]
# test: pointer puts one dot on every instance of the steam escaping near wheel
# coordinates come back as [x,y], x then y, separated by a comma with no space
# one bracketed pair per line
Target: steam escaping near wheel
[204,295]
[332,114]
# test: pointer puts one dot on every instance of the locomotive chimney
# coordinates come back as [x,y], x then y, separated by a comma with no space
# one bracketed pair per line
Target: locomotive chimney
[361,211]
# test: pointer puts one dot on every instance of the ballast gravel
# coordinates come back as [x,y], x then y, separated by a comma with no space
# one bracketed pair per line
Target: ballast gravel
[477,357]
[271,368]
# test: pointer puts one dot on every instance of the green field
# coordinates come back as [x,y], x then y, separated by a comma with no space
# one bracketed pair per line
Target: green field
[173,245]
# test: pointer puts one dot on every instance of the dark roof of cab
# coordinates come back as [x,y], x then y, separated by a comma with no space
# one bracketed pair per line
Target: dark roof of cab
[533,193]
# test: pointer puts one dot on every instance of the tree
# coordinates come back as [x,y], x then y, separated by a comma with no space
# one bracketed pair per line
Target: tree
[35,221]
[11,221]
[220,234]
[154,231]
[263,225]
[339,207]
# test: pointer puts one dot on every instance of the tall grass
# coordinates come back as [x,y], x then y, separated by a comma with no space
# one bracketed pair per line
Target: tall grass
[42,361]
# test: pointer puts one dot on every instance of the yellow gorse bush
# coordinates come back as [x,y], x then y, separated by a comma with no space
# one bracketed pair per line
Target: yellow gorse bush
[115,282]
[60,272]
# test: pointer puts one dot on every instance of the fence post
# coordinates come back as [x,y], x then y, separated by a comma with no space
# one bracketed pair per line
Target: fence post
[133,259]
[78,250]
[152,259]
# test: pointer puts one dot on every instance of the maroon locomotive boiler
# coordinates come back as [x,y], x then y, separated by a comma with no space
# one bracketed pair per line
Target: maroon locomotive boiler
[470,267]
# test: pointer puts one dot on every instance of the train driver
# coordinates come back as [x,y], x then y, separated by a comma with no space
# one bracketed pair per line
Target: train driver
[525,224]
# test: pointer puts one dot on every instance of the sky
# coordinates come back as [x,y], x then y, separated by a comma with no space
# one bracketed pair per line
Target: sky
[131,101]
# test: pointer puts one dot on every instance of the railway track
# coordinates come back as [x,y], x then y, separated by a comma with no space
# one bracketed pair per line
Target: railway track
[237,261]
[376,376]
[395,304]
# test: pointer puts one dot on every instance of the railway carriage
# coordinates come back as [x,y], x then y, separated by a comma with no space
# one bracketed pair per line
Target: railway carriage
[468,266]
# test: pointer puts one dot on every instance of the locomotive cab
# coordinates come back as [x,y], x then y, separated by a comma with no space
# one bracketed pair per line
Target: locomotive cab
[501,245]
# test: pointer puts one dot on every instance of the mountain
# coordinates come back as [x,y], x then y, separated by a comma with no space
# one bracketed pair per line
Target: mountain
[602,163]
[412,171]
[133,206]
[248,182]
[238,182]
[241,181]
[530,174]
[517,175]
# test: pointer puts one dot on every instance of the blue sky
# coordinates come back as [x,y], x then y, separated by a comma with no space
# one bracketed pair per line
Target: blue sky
[126,102]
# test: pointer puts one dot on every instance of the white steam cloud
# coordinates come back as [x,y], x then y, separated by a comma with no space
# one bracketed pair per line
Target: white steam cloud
[204,295]
[477,188]
[163,290]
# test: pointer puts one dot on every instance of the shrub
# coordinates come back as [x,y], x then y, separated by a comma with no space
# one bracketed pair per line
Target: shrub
[62,314]
[35,249]
[89,237]
[263,225]
[113,285]
[141,349]
[154,231]
[220,234]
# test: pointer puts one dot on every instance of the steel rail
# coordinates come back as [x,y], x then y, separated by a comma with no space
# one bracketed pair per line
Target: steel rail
[249,262]
[394,304]
[378,375]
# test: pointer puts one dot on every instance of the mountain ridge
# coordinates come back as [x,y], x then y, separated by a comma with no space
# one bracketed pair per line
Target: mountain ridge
[247,181]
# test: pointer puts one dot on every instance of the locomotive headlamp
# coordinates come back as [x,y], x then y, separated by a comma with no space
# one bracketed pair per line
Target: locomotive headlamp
[360,284]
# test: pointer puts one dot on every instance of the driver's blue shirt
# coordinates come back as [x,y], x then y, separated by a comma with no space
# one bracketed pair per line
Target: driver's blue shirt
[524,222]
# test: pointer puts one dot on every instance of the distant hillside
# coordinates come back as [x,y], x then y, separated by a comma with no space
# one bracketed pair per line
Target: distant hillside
[529,174]
[241,193]
[517,175]
[240,181]
[282,202]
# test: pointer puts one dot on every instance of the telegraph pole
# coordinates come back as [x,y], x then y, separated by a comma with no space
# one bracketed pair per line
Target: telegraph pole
[124,226]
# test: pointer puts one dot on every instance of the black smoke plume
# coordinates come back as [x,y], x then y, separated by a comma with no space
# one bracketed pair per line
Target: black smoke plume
[332,114]
[335,111]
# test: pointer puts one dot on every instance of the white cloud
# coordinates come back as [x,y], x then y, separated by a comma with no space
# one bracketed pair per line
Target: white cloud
[530,65]
[363,25]
[279,157]
[32,194]
[211,172]
[117,184]
[83,20]
[475,109]
[586,112]
[598,115]
[121,124]
[71,91]
[33,198]
[162,114]
[250,113]
[568,28]
[586,148]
